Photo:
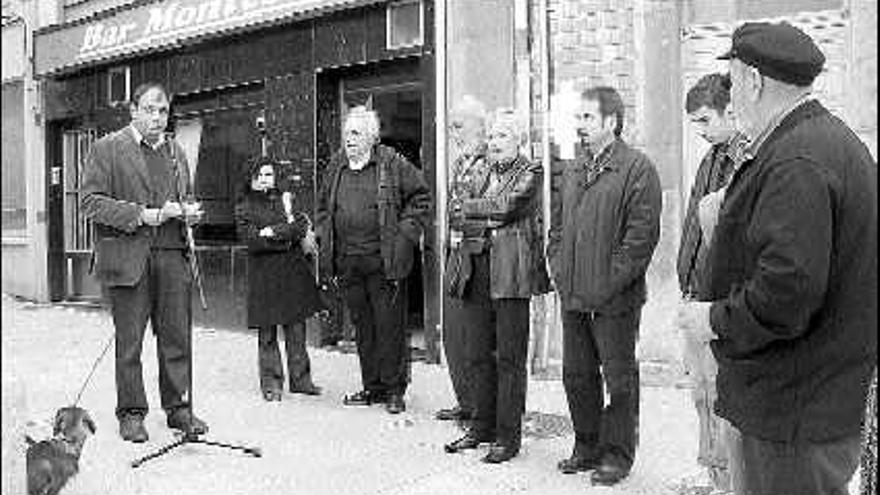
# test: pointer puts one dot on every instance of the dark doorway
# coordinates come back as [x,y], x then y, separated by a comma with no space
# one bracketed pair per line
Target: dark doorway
[70,233]
[394,90]
[220,140]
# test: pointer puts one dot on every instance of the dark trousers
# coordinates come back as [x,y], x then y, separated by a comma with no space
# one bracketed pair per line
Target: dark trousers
[162,296]
[377,308]
[599,355]
[497,349]
[299,366]
[760,467]
[461,314]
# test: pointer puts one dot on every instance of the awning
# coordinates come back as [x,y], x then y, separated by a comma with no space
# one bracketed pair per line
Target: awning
[150,26]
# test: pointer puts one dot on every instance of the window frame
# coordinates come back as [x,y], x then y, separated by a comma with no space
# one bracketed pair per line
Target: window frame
[126,70]
[420,41]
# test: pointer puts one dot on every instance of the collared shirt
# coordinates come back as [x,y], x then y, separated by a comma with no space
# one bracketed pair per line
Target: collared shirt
[140,138]
[169,235]
[593,165]
[603,149]
[771,126]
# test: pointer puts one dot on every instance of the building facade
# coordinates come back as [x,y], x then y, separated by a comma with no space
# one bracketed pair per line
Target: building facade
[277,75]
[247,78]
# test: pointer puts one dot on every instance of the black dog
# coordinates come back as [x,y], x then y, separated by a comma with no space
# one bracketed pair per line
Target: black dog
[50,463]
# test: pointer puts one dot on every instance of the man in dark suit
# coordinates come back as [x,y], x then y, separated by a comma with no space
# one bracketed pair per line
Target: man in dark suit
[138,193]
[792,275]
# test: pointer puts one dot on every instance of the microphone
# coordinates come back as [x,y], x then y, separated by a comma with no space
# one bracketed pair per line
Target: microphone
[287,201]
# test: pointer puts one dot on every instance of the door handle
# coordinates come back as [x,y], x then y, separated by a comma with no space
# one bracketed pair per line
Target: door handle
[55,178]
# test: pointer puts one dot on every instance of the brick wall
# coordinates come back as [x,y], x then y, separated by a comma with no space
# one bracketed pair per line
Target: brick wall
[592,42]
[861,94]
[652,51]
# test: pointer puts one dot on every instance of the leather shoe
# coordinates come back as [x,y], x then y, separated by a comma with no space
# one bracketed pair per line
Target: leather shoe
[131,429]
[499,453]
[452,414]
[395,404]
[468,441]
[184,420]
[308,389]
[577,464]
[362,398]
[609,472]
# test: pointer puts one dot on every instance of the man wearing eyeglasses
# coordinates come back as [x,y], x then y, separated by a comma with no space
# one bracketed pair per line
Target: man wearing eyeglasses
[138,193]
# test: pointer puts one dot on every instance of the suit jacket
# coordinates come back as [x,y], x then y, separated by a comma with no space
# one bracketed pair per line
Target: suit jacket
[116,187]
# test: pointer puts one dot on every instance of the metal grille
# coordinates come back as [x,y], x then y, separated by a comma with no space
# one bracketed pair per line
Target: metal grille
[77,229]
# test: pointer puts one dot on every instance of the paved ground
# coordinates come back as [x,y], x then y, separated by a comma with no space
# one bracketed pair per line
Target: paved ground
[311,445]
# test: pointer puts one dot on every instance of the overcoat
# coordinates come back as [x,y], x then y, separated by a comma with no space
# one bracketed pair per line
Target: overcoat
[281,281]
[605,224]
[793,273]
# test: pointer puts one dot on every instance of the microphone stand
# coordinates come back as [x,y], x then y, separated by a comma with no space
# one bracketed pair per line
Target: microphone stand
[188,437]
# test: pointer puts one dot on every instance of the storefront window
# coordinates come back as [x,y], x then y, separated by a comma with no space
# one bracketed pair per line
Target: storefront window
[118,85]
[14,199]
[405,24]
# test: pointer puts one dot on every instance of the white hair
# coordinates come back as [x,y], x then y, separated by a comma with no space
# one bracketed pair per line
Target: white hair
[469,106]
[508,119]
[369,119]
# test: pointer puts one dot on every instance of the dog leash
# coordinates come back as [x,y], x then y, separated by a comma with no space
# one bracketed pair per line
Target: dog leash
[94,367]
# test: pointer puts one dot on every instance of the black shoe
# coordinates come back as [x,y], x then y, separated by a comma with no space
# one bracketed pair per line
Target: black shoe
[184,420]
[362,398]
[499,453]
[610,471]
[131,429]
[453,414]
[468,441]
[577,464]
[379,397]
[395,404]
[307,389]
[271,394]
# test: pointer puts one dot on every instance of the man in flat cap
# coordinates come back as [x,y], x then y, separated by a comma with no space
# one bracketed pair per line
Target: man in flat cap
[792,275]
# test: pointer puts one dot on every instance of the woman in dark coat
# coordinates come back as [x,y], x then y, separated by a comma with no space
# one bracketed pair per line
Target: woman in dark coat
[497,265]
[281,284]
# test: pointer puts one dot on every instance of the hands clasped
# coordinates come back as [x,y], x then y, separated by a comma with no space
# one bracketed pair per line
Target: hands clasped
[190,212]
[309,243]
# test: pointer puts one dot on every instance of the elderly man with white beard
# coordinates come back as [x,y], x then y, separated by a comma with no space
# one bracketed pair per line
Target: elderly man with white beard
[371,212]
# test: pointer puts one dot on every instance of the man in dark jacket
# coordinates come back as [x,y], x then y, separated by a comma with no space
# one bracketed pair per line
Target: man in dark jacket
[707,105]
[371,212]
[138,193]
[605,225]
[793,274]
[467,129]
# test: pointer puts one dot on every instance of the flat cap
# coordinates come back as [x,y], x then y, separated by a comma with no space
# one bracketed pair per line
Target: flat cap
[779,51]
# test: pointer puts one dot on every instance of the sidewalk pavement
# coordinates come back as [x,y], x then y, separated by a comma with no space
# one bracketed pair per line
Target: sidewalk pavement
[310,445]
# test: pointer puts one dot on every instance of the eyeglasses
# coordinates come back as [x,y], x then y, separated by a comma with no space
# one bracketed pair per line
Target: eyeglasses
[151,110]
